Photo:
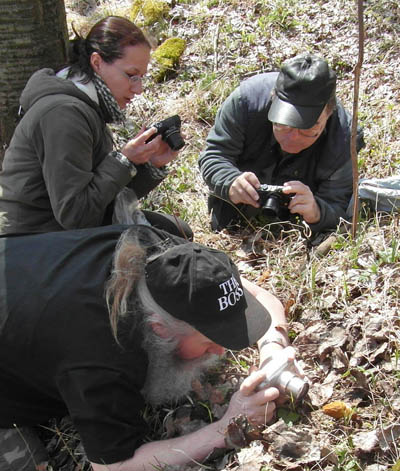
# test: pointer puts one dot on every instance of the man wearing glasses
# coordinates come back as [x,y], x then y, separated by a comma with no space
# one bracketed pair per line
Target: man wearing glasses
[283,129]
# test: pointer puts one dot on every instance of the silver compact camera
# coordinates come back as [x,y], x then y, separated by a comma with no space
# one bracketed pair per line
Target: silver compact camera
[282,373]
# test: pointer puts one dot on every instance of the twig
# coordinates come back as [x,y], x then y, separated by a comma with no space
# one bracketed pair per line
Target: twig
[215,44]
[353,148]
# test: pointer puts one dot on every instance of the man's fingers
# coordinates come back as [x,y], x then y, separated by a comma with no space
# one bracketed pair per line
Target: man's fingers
[164,158]
[248,193]
[252,179]
[240,193]
[250,185]
[243,189]
[249,387]
[253,369]
[299,208]
[250,384]
[300,199]
[266,395]
[290,352]
[296,187]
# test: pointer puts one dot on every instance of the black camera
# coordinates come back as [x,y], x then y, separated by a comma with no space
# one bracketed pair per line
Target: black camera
[170,130]
[273,201]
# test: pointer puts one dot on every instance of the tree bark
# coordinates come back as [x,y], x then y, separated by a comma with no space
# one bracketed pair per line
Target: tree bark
[33,35]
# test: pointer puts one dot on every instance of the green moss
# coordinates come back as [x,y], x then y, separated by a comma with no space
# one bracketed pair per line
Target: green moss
[135,10]
[151,11]
[167,56]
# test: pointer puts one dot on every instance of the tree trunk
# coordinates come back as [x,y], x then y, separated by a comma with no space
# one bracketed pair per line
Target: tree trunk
[33,35]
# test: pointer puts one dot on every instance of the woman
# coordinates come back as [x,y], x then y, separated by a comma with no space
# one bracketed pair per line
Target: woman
[61,171]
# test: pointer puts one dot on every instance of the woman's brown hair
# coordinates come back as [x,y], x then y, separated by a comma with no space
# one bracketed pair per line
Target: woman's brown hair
[108,37]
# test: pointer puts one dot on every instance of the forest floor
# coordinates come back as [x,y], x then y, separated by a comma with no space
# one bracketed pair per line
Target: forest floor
[342,303]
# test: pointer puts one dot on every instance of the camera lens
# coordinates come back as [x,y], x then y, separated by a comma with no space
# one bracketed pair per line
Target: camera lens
[293,385]
[271,206]
[173,138]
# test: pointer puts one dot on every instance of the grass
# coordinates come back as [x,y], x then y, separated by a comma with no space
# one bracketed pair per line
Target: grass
[354,288]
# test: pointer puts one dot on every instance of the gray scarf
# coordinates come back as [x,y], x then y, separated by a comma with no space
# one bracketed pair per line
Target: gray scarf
[111,106]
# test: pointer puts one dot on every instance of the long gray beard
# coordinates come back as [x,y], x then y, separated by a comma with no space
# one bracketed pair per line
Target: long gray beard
[170,378]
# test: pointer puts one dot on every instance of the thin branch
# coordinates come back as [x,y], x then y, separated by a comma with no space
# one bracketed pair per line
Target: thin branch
[215,46]
[353,148]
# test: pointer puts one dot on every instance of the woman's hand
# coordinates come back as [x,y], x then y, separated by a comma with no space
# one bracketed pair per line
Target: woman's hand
[156,151]
[164,155]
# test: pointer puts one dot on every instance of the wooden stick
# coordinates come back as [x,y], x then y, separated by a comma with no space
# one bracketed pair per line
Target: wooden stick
[353,146]
[215,44]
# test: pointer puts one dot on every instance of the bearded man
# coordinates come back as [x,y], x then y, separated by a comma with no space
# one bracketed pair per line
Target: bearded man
[95,323]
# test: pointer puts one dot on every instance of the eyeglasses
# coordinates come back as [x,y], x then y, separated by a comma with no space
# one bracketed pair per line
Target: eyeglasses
[134,79]
[310,132]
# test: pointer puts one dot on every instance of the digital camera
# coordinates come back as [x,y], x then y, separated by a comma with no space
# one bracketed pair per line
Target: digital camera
[273,201]
[281,373]
[170,130]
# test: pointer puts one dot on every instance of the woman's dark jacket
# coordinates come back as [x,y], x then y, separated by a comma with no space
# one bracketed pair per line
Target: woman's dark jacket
[58,172]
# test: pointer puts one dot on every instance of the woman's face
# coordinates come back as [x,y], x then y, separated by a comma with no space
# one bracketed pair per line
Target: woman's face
[124,76]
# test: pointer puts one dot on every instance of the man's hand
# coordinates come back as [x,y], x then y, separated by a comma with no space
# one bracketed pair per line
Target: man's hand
[257,406]
[156,151]
[243,189]
[284,360]
[303,202]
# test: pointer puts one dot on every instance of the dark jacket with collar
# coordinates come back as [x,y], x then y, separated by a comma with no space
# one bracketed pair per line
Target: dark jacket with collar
[58,172]
[242,141]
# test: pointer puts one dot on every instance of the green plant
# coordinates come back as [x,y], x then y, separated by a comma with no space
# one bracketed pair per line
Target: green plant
[390,254]
[207,408]
[290,417]
[346,459]
[283,14]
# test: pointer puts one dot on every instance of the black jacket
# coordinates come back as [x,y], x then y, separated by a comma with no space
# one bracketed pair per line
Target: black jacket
[58,354]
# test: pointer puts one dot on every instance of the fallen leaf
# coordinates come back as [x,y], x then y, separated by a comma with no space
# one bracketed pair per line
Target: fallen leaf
[320,393]
[292,446]
[265,276]
[365,441]
[289,303]
[240,432]
[388,436]
[251,458]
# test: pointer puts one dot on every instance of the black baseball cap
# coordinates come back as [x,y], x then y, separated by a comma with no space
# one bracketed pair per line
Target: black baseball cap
[303,88]
[201,286]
